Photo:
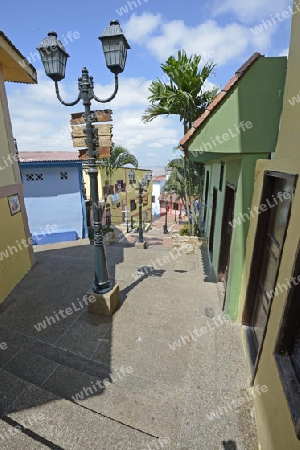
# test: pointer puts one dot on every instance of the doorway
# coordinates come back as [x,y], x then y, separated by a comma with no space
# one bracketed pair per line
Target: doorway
[213,221]
[226,234]
[278,189]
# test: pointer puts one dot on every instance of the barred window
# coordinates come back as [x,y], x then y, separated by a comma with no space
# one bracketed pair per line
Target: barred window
[63,175]
[34,177]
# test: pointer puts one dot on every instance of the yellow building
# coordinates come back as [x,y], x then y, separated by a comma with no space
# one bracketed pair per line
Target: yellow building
[269,304]
[16,256]
[122,200]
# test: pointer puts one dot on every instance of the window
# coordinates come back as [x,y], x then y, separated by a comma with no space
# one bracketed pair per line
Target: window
[287,350]
[153,198]
[63,175]
[34,177]
[120,186]
[132,205]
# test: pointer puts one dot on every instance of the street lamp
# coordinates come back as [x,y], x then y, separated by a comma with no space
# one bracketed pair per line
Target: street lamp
[141,184]
[166,221]
[54,58]
[174,192]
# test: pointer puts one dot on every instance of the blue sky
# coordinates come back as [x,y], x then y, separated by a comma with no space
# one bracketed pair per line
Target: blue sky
[224,31]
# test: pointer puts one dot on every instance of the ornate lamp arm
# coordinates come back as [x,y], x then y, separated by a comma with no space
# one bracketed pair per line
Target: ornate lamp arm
[113,95]
[61,100]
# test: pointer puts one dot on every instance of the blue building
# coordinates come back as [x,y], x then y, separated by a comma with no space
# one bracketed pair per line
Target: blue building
[53,193]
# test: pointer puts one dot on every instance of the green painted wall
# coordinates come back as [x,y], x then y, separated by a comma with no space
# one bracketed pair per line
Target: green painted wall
[243,212]
[257,102]
[241,130]
[239,172]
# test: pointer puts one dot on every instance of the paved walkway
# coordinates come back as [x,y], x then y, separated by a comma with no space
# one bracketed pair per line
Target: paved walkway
[164,373]
[156,235]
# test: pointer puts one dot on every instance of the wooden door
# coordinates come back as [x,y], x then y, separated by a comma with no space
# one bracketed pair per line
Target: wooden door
[213,221]
[226,234]
[271,231]
[206,197]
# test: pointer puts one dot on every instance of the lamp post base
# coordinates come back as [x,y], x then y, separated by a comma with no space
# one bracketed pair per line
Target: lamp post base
[104,304]
[166,229]
[103,289]
[141,245]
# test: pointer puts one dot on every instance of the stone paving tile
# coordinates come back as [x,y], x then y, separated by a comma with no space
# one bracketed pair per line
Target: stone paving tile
[85,335]
[71,359]
[10,388]
[22,364]
[147,406]
[169,394]
[62,421]
[8,354]
[78,387]
[103,351]
[11,438]
[112,435]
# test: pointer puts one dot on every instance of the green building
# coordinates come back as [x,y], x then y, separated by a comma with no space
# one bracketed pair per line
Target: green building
[240,126]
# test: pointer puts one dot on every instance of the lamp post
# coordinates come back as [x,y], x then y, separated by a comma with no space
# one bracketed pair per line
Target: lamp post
[166,221]
[141,184]
[174,192]
[54,58]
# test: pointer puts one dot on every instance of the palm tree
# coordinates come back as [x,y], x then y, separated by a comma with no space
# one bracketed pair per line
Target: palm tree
[119,157]
[180,177]
[175,182]
[183,96]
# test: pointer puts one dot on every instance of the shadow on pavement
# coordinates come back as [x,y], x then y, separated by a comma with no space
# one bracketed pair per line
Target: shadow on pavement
[55,348]
[208,270]
[229,445]
[141,274]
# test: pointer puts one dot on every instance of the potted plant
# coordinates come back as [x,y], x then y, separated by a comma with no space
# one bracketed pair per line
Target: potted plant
[108,235]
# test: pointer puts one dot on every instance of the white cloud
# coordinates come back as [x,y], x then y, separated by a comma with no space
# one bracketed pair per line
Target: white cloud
[248,11]
[130,131]
[215,42]
[41,123]
[132,92]
[284,52]
[139,28]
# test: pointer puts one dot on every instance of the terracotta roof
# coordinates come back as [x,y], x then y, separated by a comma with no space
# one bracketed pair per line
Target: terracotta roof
[48,156]
[159,178]
[221,97]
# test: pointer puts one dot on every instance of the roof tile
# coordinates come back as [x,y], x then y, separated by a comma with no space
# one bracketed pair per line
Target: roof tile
[48,156]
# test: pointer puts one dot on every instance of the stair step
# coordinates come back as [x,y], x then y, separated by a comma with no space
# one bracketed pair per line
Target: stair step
[61,372]
[48,420]
[49,417]
[56,355]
